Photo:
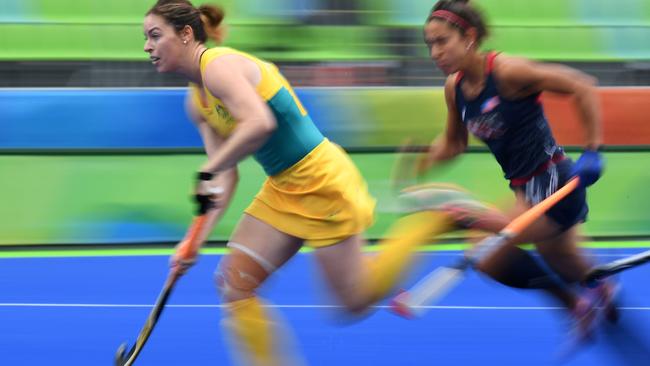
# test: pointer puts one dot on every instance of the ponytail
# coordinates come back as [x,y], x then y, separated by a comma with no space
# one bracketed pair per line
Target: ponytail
[212,15]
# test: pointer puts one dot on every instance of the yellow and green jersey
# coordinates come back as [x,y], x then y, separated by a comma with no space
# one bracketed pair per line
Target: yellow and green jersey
[296,134]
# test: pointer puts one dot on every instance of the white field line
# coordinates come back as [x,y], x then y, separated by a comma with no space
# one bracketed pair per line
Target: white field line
[450,307]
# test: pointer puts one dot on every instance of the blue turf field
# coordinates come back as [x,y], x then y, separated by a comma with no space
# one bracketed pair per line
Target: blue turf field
[76,311]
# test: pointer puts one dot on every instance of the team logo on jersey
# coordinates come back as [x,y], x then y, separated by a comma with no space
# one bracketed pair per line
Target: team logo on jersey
[490,104]
[487,126]
[223,114]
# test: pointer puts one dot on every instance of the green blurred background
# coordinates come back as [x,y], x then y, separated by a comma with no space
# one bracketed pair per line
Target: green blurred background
[301,30]
[128,199]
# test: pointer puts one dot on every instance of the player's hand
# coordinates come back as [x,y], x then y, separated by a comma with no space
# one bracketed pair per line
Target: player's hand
[406,169]
[589,167]
[183,258]
[206,195]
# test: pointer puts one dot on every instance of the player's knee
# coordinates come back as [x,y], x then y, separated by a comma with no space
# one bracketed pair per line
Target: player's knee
[355,306]
[357,301]
[238,276]
[519,269]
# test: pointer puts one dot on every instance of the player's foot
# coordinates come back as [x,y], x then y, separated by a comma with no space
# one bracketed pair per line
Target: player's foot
[398,305]
[584,316]
[594,304]
[609,293]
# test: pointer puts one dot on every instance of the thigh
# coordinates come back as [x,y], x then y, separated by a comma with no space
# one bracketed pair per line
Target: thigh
[541,230]
[343,265]
[563,254]
[572,209]
[561,245]
[264,242]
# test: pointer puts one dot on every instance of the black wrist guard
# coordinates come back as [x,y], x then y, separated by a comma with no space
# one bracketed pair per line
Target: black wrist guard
[205,176]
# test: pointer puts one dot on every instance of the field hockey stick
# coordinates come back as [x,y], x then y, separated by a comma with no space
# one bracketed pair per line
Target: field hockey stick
[439,282]
[602,271]
[186,251]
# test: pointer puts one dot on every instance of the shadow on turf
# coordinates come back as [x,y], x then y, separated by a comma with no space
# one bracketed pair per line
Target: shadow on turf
[628,346]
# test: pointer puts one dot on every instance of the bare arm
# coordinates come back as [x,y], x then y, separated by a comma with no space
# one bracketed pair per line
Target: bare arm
[227,180]
[455,138]
[523,77]
[232,79]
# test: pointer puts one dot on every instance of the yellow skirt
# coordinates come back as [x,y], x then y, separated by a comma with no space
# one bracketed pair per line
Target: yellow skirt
[322,198]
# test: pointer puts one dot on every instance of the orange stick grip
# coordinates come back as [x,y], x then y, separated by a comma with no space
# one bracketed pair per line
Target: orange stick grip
[524,220]
[191,243]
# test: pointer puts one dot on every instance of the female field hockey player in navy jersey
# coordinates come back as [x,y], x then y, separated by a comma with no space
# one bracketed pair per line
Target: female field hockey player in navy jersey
[496,97]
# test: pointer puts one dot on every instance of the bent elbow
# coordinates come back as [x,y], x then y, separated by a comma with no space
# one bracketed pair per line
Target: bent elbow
[268,126]
[587,84]
[586,90]
[591,81]
[458,148]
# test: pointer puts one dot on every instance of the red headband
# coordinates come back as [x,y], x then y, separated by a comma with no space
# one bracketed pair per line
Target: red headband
[451,18]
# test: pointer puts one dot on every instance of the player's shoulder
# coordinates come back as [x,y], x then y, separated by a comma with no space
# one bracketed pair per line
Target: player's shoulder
[228,57]
[507,65]
[452,80]
[450,85]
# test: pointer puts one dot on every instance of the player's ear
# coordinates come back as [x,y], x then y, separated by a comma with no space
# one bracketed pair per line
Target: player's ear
[186,34]
[471,38]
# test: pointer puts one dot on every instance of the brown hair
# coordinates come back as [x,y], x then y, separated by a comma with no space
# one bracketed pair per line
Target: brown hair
[180,13]
[212,14]
[466,16]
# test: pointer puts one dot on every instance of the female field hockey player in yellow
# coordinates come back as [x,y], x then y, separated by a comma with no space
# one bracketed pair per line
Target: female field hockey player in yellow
[243,106]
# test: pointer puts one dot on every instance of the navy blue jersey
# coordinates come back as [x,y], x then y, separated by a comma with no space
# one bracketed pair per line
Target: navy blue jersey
[516,131]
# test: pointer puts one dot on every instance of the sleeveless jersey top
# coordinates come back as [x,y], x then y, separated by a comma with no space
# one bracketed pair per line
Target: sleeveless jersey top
[296,134]
[516,131]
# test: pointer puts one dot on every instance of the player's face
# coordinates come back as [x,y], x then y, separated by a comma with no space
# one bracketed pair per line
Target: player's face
[447,47]
[162,43]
